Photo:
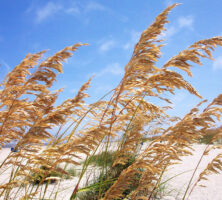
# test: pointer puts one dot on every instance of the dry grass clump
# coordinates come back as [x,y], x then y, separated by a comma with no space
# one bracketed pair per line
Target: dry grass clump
[28,113]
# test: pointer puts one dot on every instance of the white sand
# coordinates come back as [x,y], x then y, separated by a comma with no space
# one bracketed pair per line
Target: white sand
[177,186]
[174,189]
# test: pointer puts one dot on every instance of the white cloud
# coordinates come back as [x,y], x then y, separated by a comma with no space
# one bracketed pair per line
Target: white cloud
[72,10]
[134,38]
[217,64]
[48,10]
[113,68]
[106,46]
[185,22]
[94,6]
[170,31]
[51,9]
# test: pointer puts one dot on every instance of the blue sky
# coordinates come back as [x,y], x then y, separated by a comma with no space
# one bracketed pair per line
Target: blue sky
[111,28]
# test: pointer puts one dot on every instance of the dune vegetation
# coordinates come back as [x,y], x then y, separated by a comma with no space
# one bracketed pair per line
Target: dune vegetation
[126,116]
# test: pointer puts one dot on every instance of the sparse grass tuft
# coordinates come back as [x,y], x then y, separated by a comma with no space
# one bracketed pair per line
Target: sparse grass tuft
[105,181]
[71,173]
[101,159]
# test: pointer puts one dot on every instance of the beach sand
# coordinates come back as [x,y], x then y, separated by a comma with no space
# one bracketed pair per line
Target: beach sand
[174,188]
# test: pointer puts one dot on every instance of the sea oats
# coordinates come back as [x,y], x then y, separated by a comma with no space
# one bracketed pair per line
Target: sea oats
[129,112]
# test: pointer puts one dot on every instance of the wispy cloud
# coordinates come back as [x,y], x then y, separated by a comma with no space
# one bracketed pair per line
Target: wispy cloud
[185,22]
[113,68]
[47,11]
[72,10]
[106,46]
[52,8]
[94,6]
[170,31]
[79,8]
[182,22]
[134,37]
[217,64]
